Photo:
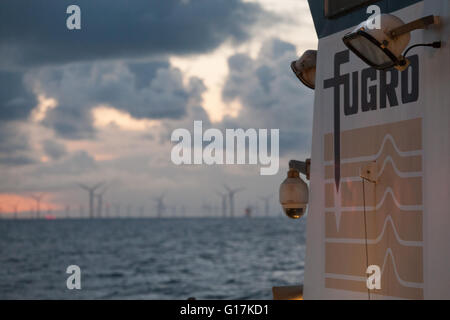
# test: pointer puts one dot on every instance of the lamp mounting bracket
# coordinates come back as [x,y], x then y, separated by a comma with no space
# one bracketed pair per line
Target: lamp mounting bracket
[303,167]
[421,23]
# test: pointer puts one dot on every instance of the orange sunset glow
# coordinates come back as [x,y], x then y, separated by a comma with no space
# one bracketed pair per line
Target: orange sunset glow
[9,202]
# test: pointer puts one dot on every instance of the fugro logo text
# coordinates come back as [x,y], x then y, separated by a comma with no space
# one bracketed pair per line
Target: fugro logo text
[368,82]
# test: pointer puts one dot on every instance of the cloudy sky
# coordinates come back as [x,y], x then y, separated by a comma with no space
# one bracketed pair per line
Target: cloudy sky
[100,103]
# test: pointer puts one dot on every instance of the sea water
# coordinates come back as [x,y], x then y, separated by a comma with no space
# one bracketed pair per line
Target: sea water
[174,258]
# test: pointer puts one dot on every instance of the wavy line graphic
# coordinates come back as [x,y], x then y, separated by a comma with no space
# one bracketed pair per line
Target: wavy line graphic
[399,173]
[402,164]
[379,204]
[351,258]
[388,159]
[392,211]
[406,134]
[408,223]
[404,283]
[377,239]
[387,138]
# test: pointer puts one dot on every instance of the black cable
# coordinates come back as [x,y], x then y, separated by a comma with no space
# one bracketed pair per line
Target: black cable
[365,231]
[436,44]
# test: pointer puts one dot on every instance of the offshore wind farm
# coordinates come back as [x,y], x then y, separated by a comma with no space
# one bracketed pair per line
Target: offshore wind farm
[220,204]
[160,148]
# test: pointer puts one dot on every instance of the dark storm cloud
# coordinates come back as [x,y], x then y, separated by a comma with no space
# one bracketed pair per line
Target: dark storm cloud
[15,149]
[152,90]
[145,72]
[16,100]
[271,96]
[16,103]
[34,32]
[54,149]
[71,121]
[77,163]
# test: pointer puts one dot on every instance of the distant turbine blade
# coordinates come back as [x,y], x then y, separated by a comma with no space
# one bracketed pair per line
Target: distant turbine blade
[220,194]
[83,186]
[98,185]
[102,192]
[37,196]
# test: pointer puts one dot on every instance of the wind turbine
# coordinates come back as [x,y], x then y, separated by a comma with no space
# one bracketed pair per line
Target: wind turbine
[107,210]
[215,210]
[15,210]
[206,209]
[38,197]
[160,207]
[174,211]
[224,202]
[100,201]
[91,192]
[266,204]
[117,209]
[255,209]
[231,193]
[141,211]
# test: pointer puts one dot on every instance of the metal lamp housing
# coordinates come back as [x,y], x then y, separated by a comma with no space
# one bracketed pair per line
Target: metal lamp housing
[377,47]
[294,195]
[305,68]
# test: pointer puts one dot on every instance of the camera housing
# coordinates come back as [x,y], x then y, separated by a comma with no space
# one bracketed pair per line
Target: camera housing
[294,195]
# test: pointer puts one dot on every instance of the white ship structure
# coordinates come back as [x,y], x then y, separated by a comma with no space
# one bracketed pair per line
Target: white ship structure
[380,159]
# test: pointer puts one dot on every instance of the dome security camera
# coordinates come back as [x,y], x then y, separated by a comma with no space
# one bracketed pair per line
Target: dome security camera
[382,48]
[294,195]
[305,68]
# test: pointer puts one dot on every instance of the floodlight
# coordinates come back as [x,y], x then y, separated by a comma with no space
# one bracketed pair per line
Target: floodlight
[305,68]
[382,47]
